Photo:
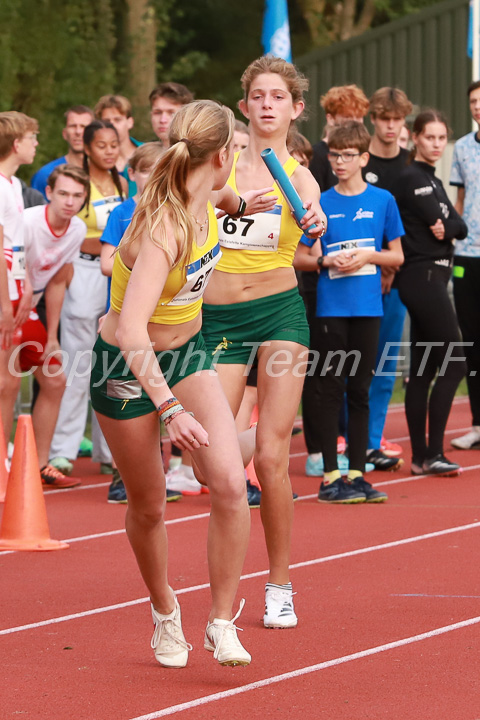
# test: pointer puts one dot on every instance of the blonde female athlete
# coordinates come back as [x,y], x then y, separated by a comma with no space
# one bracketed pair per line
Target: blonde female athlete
[252,304]
[150,361]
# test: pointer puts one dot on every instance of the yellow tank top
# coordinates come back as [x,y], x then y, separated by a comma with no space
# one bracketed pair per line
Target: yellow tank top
[267,240]
[181,298]
[95,214]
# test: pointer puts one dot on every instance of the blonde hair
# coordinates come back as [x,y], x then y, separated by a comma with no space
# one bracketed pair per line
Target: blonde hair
[390,101]
[295,81]
[198,130]
[13,126]
[117,102]
[145,156]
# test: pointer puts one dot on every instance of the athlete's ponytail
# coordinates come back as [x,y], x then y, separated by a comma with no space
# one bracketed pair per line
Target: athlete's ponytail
[198,130]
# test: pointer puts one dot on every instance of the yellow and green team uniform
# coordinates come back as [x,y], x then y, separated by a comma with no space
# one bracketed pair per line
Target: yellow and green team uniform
[255,244]
[115,390]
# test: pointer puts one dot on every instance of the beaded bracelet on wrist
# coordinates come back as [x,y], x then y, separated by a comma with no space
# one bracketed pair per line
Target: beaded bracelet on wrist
[167,405]
[171,411]
[171,417]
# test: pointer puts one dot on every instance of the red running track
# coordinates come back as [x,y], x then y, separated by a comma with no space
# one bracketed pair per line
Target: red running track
[387,599]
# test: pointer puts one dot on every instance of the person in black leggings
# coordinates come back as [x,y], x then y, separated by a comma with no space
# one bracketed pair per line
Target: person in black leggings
[431,225]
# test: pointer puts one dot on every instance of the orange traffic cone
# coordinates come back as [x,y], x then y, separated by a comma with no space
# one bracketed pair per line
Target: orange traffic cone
[24,523]
[4,468]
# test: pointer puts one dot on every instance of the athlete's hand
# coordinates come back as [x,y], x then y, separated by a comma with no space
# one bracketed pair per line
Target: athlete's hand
[259,201]
[52,348]
[314,216]
[388,275]
[186,432]
[353,261]
[23,310]
[6,328]
[438,230]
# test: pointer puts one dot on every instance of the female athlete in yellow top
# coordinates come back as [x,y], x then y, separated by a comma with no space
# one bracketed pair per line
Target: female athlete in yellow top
[252,307]
[151,361]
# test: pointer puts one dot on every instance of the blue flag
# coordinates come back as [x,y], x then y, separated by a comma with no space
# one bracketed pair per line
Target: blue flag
[276,30]
[470,30]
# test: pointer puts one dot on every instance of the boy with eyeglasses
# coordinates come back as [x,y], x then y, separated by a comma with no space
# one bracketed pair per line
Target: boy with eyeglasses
[18,145]
[341,103]
[349,305]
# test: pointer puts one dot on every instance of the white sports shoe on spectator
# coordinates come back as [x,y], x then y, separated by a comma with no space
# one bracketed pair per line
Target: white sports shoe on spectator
[470,441]
[221,639]
[168,641]
[279,612]
[181,479]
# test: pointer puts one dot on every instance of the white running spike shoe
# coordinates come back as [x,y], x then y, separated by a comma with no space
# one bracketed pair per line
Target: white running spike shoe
[168,641]
[279,612]
[221,639]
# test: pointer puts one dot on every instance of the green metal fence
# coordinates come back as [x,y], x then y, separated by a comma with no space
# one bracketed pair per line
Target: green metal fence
[424,54]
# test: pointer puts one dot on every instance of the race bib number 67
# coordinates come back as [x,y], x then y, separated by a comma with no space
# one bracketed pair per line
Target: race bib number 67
[260,232]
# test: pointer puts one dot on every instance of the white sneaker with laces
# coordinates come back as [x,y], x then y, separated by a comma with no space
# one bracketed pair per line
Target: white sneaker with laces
[181,479]
[279,612]
[168,641]
[221,639]
[470,441]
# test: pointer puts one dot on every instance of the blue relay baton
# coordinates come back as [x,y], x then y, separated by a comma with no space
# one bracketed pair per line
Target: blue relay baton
[285,184]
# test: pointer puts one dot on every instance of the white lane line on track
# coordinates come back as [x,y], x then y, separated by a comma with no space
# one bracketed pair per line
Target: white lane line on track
[404,438]
[201,516]
[206,699]
[111,533]
[174,521]
[249,576]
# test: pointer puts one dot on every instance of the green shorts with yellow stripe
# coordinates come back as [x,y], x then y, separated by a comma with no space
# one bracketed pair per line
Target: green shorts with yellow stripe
[116,392]
[233,333]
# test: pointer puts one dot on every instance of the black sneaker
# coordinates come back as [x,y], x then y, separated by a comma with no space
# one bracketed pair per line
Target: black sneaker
[384,462]
[254,495]
[116,492]
[173,495]
[440,465]
[340,492]
[371,495]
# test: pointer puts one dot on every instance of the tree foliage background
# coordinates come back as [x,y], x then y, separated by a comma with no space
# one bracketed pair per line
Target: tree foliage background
[58,53]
